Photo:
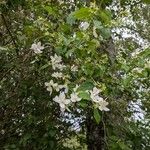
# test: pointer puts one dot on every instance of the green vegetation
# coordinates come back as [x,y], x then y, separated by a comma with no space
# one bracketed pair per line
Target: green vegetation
[74,75]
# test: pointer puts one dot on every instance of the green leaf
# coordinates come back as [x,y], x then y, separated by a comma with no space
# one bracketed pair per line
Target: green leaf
[60,50]
[123,146]
[126,81]
[52,133]
[84,95]
[105,16]
[87,85]
[83,103]
[88,69]
[98,24]
[144,54]
[106,33]
[97,116]
[146,1]
[82,14]
[65,28]
[69,52]
[50,10]
[71,19]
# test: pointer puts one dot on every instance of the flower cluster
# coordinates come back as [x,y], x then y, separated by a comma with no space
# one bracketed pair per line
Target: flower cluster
[99,101]
[65,98]
[62,99]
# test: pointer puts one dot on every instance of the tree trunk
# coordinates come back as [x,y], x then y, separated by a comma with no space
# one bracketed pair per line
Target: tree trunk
[95,134]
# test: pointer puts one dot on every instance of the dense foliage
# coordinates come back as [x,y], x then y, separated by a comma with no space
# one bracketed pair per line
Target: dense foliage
[74,74]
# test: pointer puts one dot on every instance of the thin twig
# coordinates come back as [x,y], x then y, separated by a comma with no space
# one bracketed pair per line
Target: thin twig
[104,132]
[9,32]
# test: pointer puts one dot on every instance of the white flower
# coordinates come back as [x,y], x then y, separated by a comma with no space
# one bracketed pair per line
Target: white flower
[56,87]
[74,68]
[56,60]
[62,109]
[49,88]
[135,53]
[76,87]
[74,35]
[57,75]
[37,48]
[84,25]
[102,105]
[95,91]
[75,97]
[61,99]
[50,85]
[94,94]
[97,99]
[60,66]
[137,70]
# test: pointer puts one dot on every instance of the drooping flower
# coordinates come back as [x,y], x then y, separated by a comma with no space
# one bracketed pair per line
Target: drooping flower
[75,97]
[49,88]
[51,85]
[84,25]
[37,47]
[103,105]
[61,99]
